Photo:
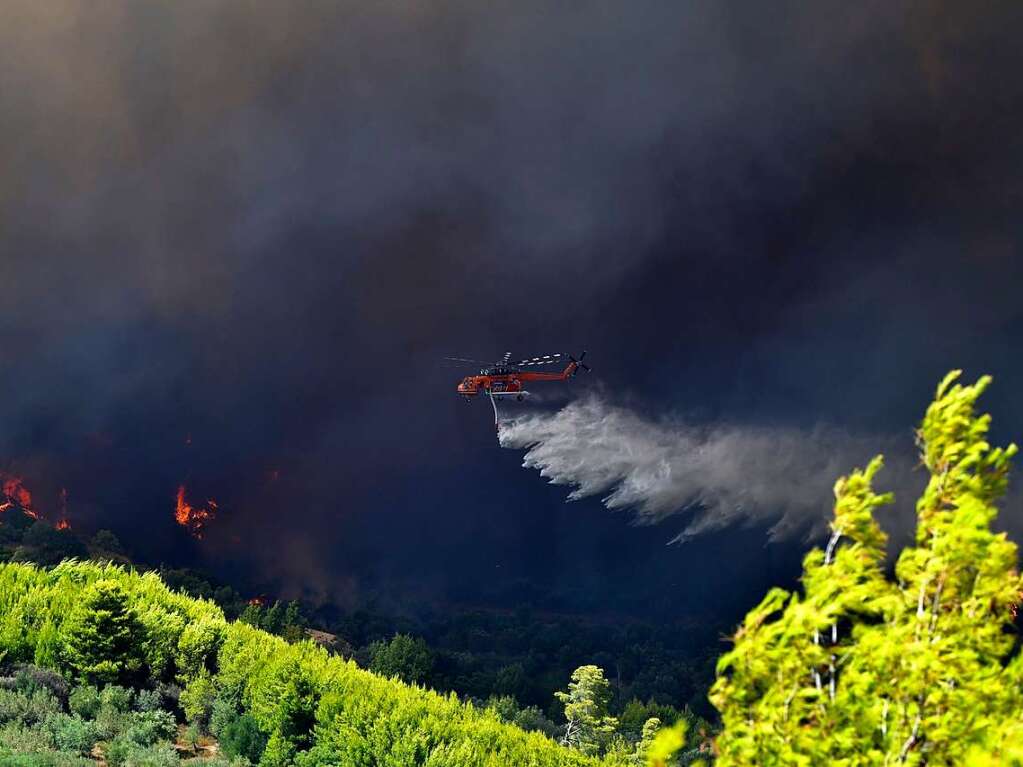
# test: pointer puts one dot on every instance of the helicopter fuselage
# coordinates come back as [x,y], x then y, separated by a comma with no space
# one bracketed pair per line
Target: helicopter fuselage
[504,381]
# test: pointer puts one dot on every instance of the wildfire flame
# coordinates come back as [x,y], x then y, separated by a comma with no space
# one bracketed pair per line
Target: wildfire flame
[14,493]
[193,518]
[63,523]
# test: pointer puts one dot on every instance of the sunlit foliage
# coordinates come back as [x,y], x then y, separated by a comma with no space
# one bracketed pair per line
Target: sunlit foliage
[861,669]
[306,706]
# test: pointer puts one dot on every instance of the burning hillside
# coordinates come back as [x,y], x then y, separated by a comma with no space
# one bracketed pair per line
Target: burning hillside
[193,518]
[14,494]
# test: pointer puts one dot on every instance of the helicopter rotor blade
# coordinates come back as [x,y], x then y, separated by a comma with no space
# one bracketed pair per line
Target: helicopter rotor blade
[545,359]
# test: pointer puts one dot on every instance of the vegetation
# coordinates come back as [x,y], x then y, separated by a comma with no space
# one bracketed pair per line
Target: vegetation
[588,726]
[41,724]
[861,669]
[521,656]
[268,701]
[858,668]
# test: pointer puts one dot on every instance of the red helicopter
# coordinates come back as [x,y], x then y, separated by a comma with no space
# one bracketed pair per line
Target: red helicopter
[506,379]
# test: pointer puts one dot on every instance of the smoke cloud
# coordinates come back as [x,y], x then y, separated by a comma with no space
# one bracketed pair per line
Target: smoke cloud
[712,476]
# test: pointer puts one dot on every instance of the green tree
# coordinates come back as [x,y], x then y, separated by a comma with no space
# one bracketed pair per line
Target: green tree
[13,524]
[46,545]
[407,658]
[294,625]
[105,542]
[273,619]
[252,615]
[860,670]
[197,700]
[103,638]
[649,733]
[242,738]
[197,648]
[587,723]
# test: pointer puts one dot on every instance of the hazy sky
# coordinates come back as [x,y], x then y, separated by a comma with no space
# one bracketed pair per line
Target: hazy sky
[236,238]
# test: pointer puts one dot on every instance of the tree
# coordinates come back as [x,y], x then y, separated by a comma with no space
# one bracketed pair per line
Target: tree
[197,648]
[107,543]
[242,738]
[103,637]
[273,619]
[46,545]
[587,724]
[408,658]
[650,729]
[293,628]
[13,524]
[197,700]
[861,670]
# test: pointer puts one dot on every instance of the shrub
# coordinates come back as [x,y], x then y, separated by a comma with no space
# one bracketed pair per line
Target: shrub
[148,700]
[24,739]
[116,698]
[114,711]
[71,733]
[30,678]
[532,719]
[43,759]
[192,737]
[226,709]
[84,700]
[148,727]
[242,738]
[122,752]
[27,708]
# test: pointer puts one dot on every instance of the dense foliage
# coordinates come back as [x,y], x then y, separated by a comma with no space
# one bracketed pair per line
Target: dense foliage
[42,723]
[268,700]
[525,653]
[863,670]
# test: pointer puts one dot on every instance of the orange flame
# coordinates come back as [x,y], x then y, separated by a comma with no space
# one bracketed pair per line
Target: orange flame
[194,518]
[63,525]
[16,494]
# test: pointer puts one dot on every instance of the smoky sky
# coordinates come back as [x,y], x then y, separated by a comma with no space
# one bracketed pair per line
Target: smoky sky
[237,238]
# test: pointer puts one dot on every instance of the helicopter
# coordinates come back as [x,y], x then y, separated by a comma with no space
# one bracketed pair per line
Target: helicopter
[505,378]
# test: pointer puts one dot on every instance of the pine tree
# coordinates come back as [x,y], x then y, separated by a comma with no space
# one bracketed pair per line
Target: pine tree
[102,638]
[859,670]
[587,724]
[650,729]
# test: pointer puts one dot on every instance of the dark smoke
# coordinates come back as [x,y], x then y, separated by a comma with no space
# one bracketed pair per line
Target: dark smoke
[260,224]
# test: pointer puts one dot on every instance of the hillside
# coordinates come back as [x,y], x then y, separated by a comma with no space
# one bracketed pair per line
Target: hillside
[311,707]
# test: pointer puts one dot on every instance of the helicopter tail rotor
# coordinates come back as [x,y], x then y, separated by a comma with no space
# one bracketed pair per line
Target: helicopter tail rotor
[579,363]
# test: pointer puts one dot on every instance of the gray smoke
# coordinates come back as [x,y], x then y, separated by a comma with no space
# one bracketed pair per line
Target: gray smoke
[714,476]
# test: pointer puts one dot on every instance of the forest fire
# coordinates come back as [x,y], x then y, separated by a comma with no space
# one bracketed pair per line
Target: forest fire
[15,494]
[193,518]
